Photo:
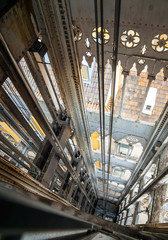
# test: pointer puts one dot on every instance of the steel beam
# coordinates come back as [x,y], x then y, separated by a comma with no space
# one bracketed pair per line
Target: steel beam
[115,161]
[20,83]
[122,128]
[160,133]
[111,178]
[37,208]
[44,151]
[18,129]
[27,216]
[65,133]
[154,228]
[116,189]
[73,186]
[108,194]
[35,71]
[16,114]
[52,85]
[63,55]
[70,150]
[14,156]
[48,83]
[148,187]
[18,153]
[50,170]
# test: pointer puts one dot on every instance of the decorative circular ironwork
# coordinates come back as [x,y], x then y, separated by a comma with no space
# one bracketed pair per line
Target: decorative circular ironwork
[130,39]
[106,35]
[160,43]
[77,33]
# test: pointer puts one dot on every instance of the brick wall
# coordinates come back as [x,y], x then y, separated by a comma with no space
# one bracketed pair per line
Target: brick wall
[134,94]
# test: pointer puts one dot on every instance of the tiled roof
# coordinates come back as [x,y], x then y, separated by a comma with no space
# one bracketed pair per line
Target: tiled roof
[133,97]
[91,91]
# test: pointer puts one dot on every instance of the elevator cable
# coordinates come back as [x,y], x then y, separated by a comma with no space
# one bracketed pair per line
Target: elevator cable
[114,64]
[101,87]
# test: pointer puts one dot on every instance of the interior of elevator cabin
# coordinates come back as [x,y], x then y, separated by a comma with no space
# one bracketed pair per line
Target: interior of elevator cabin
[84,119]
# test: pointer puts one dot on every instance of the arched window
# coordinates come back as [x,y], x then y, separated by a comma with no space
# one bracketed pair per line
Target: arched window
[129,221]
[137,150]
[95,141]
[98,164]
[135,190]
[142,218]
[149,175]
[127,199]
[165,213]
[143,209]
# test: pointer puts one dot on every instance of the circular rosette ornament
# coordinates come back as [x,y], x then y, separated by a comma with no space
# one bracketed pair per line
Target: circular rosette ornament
[130,39]
[106,35]
[160,43]
[77,33]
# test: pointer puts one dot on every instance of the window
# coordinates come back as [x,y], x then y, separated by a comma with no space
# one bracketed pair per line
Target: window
[127,199]
[131,210]
[98,164]
[95,141]
[125,149]
[86,71]
[141,218]
[150,101]
[149,175]
[135,190]
[129,221]
[85,74]
[143,209]
[117,171]
[148,107]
